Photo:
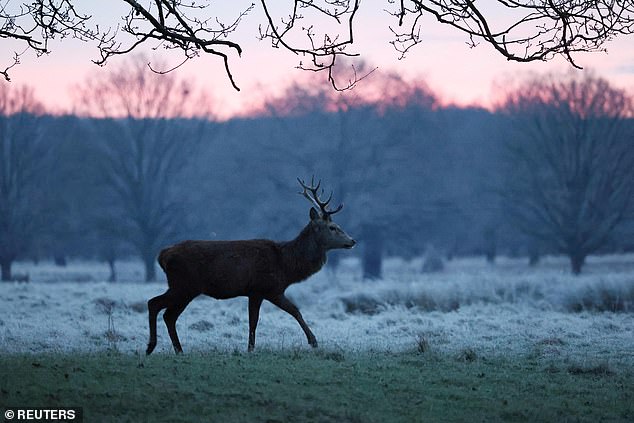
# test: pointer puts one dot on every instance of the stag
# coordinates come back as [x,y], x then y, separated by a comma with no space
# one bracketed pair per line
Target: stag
[259,269]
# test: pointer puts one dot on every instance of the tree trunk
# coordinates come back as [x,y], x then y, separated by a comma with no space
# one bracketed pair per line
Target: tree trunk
[113,271]
[490,244]
[533,258]
[533,255]
[60,260]
[372,261]
[150,270]
[372,253]
[5,265]
[577,261]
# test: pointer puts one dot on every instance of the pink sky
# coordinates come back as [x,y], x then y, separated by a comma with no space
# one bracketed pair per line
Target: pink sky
[457,73]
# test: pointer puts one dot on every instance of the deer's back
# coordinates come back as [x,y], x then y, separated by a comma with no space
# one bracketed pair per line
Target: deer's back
[223,269]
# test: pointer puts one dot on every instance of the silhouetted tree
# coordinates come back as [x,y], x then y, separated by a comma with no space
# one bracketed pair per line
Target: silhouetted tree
[372,250]
[571,160]
[144,145]
[362,152]
[533,253]
[433,260]
[22,156]
[489,235]
[110,235]
[319,31]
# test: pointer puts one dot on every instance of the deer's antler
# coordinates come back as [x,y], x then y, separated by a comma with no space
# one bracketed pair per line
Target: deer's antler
[314,198]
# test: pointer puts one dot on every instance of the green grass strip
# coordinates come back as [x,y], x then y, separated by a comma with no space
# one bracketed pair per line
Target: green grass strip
[322,386]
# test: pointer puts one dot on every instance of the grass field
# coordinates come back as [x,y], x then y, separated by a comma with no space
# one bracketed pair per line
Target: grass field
[474,343]
[322,386]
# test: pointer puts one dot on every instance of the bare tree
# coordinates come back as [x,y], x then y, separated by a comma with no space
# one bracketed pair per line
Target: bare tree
[571,180]
[21,157]
[144,146]
[362,153]
[321,31]
[110,233]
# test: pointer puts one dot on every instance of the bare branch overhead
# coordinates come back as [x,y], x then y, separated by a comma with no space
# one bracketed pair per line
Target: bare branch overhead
[37,22]
[319,31]
[520,30]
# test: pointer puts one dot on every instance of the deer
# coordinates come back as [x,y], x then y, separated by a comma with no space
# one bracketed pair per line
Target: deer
[259,269]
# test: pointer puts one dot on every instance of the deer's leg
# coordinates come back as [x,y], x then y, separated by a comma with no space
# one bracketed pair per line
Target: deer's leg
[154,306]
[285,304]
[171,315]
[254,314]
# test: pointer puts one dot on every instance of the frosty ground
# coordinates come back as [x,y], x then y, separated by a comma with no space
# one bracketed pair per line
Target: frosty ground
[503,310]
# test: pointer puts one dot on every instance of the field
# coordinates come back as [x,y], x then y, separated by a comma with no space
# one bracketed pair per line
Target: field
[472,343]
[285,386]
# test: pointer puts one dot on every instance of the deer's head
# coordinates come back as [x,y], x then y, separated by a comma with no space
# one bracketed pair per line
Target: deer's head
[328,234]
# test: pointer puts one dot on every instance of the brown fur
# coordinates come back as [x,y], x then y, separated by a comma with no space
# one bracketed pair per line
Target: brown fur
[259,269]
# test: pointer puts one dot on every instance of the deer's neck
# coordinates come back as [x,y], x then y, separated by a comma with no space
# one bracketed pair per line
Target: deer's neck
[302,256]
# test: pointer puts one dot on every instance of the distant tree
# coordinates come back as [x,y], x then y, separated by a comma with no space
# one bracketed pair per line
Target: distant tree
[571,162]
[143,145]
[361,152]
[433,260]
[319,31]
[110,235]
[22,158]
[372,238]
[533,254]
[380,92]
[490,242]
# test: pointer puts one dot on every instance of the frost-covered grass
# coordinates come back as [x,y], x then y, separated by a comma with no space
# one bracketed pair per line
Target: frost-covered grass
[471,343]
[82,271]
[504,310]
[606,285]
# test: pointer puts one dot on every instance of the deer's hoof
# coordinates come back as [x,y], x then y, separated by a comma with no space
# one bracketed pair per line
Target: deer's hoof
[313,343]
[150,348]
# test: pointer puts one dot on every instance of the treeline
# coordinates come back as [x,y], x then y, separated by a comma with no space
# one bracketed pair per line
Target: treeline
[413,176]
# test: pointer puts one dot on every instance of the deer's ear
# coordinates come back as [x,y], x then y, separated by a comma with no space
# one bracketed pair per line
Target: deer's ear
[314,214]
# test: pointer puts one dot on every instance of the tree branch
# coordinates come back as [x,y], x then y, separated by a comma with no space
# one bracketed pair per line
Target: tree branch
[321,31]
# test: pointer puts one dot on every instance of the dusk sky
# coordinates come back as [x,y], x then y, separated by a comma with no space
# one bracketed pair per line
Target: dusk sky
[457,73]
